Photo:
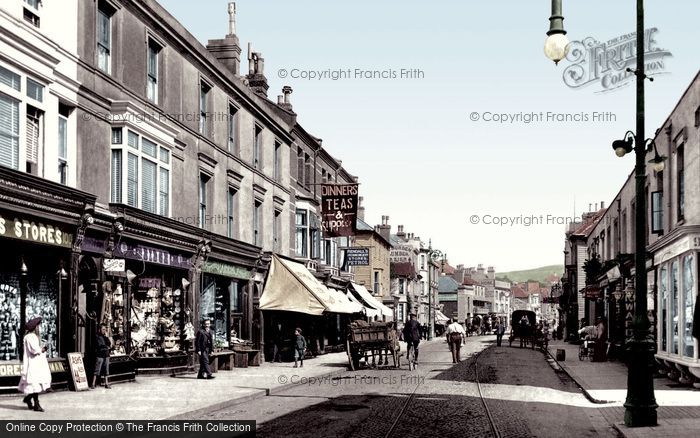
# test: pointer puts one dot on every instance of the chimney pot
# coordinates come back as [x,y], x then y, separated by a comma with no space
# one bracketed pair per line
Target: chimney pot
[596,206]
[602,204]
[280,99]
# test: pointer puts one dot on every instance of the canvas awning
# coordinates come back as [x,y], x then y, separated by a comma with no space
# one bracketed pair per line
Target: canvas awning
[345,301]
[374,306]
[440,318]
[291,287]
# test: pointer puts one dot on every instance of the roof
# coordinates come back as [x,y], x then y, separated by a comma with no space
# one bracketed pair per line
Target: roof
[447,269]
[364,226]
[589,224]
[447,284]
[518,292]
[469,282]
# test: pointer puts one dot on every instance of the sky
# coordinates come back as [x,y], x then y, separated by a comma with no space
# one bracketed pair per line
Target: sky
[431,149]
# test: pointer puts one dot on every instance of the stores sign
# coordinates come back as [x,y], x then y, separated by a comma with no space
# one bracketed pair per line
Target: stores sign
[338,209]
[31,231]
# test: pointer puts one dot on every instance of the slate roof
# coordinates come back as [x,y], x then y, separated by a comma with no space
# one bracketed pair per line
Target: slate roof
[447,284]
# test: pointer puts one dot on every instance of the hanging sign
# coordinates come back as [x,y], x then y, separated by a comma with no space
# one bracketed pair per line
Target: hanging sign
[357,257]
[114,265]
[339,209]
[77,371]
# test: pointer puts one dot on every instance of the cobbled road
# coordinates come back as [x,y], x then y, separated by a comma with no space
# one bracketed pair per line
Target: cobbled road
[525,396]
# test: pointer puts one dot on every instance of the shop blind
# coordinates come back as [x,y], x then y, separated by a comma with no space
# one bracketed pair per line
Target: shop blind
[148,186]
[116,176]
[132,195]
[9,132]
[32,139]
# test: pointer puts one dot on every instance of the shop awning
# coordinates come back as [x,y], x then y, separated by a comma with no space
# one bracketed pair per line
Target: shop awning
[371,303]
[291,287]
[347,304]
[440,318]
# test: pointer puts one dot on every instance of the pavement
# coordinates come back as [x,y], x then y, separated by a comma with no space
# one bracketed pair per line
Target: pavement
[163,397]
[605,383]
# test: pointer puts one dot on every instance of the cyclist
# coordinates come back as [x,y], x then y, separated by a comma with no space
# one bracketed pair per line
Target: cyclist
[411,335]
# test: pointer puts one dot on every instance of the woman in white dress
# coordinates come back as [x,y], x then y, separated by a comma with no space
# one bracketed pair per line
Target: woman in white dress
[36,376]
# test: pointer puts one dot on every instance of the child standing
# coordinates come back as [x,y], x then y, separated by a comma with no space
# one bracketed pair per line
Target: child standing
[299,347]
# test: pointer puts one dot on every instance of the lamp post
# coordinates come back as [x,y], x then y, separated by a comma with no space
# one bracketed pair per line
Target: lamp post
[640,405]
[433,254]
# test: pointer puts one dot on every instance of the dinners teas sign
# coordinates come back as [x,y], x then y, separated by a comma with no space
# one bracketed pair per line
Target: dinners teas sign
[338,209]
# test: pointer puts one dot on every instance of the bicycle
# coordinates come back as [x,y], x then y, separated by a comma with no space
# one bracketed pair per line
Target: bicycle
[411,356]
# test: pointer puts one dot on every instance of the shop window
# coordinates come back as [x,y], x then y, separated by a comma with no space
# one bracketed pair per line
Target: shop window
[114,315]
[157,313]
[689,297]
[220,298]
[674,308]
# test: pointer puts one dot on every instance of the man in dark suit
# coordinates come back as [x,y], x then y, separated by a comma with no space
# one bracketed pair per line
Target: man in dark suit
[204,345]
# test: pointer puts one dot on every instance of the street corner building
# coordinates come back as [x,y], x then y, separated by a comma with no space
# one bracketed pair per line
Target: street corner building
[148,183]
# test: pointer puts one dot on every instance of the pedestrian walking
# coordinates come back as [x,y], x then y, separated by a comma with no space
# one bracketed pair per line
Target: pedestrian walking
[299,347]
[455,336]
[35,374]
[411,335]
[500,331]
[104,345]
[601,338]
[525,331]
[205,346]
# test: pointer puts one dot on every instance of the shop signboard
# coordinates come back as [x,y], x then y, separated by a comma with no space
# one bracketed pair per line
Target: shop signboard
[149,254]
[226,270]
[114,265]
[26,229]
[77,371]
[357,257]
[592,292]
[339,209]
[15,369]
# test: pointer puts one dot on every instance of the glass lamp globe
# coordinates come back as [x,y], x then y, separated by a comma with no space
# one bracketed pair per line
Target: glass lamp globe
[620,152]
[659,166]
[556,47]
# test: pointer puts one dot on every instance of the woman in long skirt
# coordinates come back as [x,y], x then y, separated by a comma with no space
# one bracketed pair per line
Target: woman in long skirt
[36,376]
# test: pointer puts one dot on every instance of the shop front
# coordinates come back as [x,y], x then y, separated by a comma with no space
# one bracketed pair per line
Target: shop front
[293,297]
[41,226]
[677,277]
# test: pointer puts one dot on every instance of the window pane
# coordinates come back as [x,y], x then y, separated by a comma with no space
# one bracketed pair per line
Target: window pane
[148,186]
[133,140]
[103,29]
[230,211]
[674,307]
[116,186]
[133,181]
[35,90]
[164,201]
[657,211]
[9,132]
[32,137]
[149,148]
[689,306]
[152,90]
[164,155]
[116,135]
[62,137]
[33,3]
[10,78]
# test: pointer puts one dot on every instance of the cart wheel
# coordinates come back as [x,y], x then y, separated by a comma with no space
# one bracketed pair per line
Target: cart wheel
[349,350]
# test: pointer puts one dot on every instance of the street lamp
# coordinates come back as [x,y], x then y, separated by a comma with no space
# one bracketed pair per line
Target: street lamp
[433,255]
[640,405]
[556,46]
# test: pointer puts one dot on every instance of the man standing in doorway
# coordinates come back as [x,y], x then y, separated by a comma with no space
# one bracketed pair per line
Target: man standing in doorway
[205,346]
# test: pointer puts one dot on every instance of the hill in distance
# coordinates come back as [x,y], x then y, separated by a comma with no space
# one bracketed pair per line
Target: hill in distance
[536,274]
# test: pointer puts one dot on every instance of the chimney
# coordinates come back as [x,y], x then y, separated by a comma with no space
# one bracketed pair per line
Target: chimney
[228,50]
[590,206]
[602,205]
[596,206]
[286,104]
[360,208]
[400,233]
[385,229]
[256,72]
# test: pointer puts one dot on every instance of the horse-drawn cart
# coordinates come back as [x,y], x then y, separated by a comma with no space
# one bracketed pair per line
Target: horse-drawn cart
[371,339]
[524,331]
